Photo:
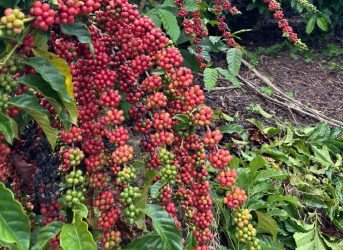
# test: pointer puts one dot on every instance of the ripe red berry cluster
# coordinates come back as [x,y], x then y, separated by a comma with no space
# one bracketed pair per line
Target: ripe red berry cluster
[227,178]
[275,7]
[236,198]
[111,239]
[73,135]
[44,15]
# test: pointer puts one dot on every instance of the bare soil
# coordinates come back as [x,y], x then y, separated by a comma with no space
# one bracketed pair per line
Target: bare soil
[312,82]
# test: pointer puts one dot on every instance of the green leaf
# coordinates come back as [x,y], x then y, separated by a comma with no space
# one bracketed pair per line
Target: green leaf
[147,242]
[169,24]
[41,39]
[271,174]
[29,103]
[46,234]
[322,23]
[8,3]
[14,223]
[258,109]
[234,59]
[60,80]
[155,189]
[291,199]
[322,156]
[214,39]
[191,5]
[313,201]
[39,84]
[310,24]
[267,224]
[75,236]
[149,176]
[267,243]
[164,226]
[229,76]
[210,78]
[79,30]
[81,209]
[153,15]
[289,136]
[257,163]
[231,129]
[310,240]
[7,127]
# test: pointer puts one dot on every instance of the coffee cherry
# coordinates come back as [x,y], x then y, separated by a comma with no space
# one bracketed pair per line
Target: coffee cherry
[220,159]
[44,15]
[236,198]
[128,174]
[227,178]
[73,157]
[13,20]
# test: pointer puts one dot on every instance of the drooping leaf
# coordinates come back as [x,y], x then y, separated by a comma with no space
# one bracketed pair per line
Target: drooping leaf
[46,234]
[79,30]
[155,189]
[62,66]
[234,59]
[231,129]
[14,223]
[164,226]
[7,127]
[310,24]
[57,80]
[39,84]
[169,24]
[267,224]
[322,23]
[75,236]
[210,78]
[229,76]
[29,103]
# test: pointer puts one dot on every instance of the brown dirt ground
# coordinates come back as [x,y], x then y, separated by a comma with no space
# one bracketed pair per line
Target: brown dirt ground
[312,83]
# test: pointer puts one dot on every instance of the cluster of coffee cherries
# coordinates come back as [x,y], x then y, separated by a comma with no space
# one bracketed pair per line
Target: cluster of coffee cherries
[128,196]
[245,231]
[74,180]
[5,160]
[194,25]
[13,21]
[126,175]
[8,84]
[275,7]
[168,169]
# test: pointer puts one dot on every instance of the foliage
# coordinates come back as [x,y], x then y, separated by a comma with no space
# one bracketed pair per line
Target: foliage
[293,179]
[203,28]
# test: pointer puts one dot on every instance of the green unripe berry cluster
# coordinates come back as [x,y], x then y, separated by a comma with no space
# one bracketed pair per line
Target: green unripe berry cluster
[73,197]
[75,178]
[7,84]
[126,175]
[165,156]
[4,99]
[128,196]
[13,20]
[168,174]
